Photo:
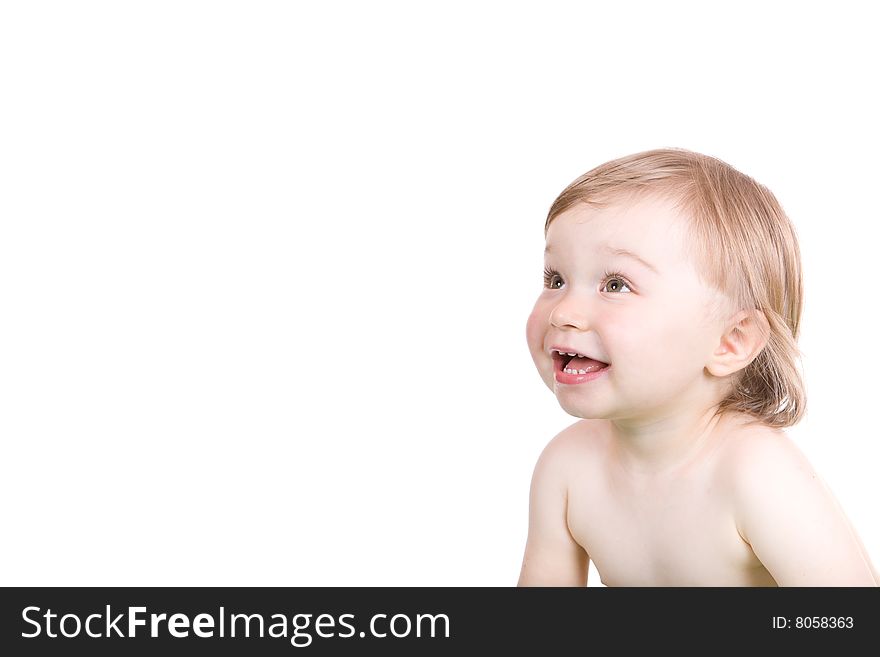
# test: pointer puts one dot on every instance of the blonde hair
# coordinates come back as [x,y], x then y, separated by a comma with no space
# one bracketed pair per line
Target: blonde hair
[742,244]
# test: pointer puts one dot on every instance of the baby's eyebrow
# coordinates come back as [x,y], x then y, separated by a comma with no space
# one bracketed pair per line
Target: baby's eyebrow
[613,250]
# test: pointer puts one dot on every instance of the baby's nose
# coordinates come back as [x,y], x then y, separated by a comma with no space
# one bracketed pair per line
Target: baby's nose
[566,317]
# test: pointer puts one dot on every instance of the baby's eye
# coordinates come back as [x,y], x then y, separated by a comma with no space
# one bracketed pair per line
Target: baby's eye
[551,276]
[616,278]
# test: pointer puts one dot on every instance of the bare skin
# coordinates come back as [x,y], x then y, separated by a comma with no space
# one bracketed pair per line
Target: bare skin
[652,485]
[686,526]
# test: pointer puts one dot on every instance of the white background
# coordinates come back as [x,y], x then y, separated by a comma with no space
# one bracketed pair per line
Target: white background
[265,268]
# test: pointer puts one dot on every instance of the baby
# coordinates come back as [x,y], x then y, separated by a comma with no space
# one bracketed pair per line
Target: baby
[668,322]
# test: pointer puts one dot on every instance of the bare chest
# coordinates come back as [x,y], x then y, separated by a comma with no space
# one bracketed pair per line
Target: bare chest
[674,533]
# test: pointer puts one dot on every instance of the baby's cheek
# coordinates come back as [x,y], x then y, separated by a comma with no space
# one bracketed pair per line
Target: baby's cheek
[535,328]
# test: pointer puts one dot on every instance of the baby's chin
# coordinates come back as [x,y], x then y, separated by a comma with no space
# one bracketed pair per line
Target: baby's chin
[576,402]
[581,410]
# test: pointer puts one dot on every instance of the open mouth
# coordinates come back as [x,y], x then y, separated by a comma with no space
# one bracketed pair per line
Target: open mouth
[582,364]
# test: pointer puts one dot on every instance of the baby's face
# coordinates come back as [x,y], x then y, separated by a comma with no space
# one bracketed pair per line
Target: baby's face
[650,321]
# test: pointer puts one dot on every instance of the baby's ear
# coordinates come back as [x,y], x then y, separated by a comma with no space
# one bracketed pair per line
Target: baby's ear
[745,337]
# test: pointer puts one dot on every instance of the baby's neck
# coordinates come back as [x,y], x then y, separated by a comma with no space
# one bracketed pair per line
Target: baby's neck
[661,446]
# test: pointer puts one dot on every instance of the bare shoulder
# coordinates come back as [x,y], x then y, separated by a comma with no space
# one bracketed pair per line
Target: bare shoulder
[788,515]
[575,445]
[570,454]
[756,462]
[552,556]
[756,451]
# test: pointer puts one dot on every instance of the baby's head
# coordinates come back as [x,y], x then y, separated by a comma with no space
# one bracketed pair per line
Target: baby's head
[709,318]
